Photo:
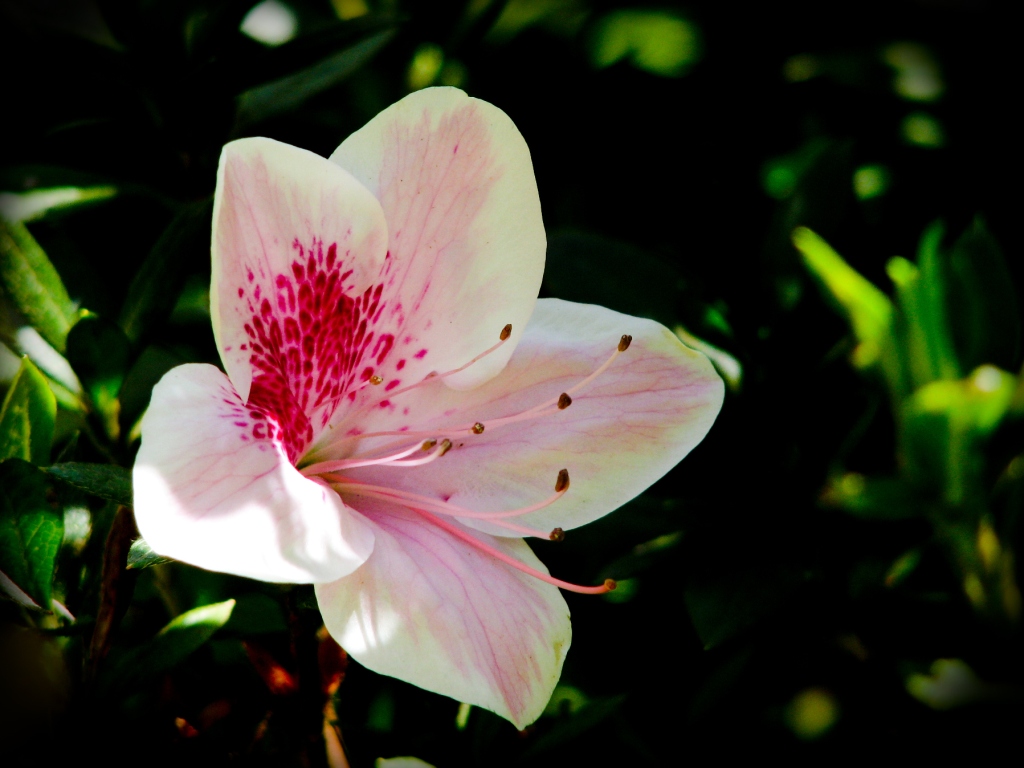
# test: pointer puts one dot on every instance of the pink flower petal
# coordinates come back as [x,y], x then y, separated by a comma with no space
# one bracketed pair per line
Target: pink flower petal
[621,433]
[455,180]
[215,489]
[298,250]
[429,609]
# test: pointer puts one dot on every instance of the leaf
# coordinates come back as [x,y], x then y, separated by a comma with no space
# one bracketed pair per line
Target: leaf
[155,287]
[99,352]
[39,203]
[171,645]
[567,729]
[27,417]
[587,267]
[31,529]
[34,285]
[287,93]
[141,555]
[873,498]
[107,481]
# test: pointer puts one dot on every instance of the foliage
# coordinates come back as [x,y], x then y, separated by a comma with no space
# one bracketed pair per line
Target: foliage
[836,568]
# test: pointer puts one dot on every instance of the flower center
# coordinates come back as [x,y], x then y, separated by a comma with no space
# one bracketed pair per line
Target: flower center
[432,445]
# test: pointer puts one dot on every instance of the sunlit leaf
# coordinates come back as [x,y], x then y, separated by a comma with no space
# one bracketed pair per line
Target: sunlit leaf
[38,203]
[31,529]
[107,481]
[27,417]
[172,645]
[141,555]
[33,284]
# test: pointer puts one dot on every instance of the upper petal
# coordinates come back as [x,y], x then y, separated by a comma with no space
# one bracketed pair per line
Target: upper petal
[214,487]
[432,610]
[466,239]
[623,431]
[298,248]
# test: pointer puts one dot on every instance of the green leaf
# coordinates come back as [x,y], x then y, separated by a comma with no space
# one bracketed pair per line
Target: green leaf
[982,302]
[99,352]
[108,481]
[155,287]
[287,93]
[27,417]
[39,203]
[874,498]
[573,726]
[171,645]
[34,285]
[141,555]
[31,529]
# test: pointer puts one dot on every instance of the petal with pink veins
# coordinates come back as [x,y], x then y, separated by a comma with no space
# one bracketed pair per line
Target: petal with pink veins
[213,487]
[622,432]
[299,248]
[454,177]
[434,611]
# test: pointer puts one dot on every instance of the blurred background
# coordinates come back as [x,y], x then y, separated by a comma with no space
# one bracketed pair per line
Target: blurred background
[824,197]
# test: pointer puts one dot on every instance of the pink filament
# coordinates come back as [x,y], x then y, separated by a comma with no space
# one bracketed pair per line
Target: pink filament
[608,585]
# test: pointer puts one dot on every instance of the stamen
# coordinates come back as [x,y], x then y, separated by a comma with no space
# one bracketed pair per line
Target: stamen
[562,481]
[557,535]
[608,585]
[564,401]
[333,466]
[441,450]
[375,380]
[502,338]
[478,428]
[624,342]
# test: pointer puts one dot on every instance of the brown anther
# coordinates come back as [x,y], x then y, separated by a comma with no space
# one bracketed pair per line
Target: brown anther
[428,444]
[478,428]
[624,342]
[505,332]
[610,585]
[557,535]
[375,380]
[446,445]
[564,401]
[562,483]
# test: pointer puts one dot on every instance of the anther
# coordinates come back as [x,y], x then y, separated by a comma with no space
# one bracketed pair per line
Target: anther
[478,428]
[428,444]
[562,483]
[505,332]
[557,535]
[375,379]
[610,585]
[446,445]
[564,401]
[624,342]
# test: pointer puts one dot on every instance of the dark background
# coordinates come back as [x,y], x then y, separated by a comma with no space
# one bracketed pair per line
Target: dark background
[667,196]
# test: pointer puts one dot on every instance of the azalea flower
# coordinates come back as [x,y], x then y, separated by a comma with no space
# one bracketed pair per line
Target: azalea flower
[399,411]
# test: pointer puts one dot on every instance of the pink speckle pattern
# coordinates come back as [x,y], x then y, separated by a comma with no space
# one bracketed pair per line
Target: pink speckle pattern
[311,339]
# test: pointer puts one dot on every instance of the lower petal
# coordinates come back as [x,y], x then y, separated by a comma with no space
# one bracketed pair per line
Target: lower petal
[434,611]
[214,488]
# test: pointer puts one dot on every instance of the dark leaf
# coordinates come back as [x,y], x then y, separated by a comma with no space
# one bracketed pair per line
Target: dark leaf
[99,353]
[107,481]
[31,529]
[27,417]
[590,715]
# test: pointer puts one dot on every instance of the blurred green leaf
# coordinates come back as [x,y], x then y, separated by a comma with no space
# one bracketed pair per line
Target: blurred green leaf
[107,481]
[99,352]
[287,93]
[34,285]
[877,498]
[571,727]
[27,417]
[31,529]
[141,555]
[983,306]
[587,267]
[39,203]
[255,614]
[655,41]
[643,556]
[172,645]
[154,289]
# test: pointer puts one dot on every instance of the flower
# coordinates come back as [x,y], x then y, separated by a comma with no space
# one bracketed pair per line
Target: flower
[399,409]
